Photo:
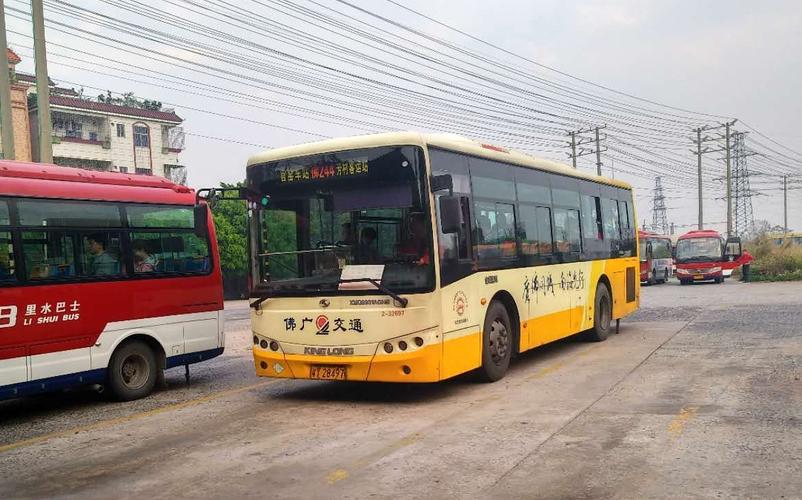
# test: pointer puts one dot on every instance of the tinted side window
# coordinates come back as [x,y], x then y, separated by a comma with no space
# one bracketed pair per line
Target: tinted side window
[101,254]
[591,218]
[48,254]
[495,230]
[42,213]
[612,228]
[5,218]
[169,252]
[567,237]
[150,216]
[544,232]
[8,268]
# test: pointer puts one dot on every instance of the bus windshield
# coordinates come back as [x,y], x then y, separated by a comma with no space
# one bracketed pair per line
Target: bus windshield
[699,250]
[351,215]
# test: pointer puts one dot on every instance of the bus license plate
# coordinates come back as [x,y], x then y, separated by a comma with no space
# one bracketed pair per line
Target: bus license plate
[327,372]
[698,277]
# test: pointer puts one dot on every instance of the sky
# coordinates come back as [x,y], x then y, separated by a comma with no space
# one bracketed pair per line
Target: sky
[728,58]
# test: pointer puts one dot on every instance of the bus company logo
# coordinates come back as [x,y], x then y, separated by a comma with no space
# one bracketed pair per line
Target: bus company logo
[460,303]
[322,324]
[329,351]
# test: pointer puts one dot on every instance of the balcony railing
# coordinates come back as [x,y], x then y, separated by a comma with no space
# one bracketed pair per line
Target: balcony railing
[105,143]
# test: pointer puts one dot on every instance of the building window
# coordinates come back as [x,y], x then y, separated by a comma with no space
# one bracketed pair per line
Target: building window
[120,130]
[144,171]
[123,170]
[93,136]
[141,138]
[74,129]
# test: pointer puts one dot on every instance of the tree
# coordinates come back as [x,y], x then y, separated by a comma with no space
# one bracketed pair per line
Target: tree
[231,226]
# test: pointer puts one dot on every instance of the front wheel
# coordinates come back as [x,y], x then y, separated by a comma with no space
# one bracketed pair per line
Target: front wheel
[602,314]
[497,340]
[133,371]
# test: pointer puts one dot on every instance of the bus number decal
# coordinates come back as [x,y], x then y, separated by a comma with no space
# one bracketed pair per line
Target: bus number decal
[8,316]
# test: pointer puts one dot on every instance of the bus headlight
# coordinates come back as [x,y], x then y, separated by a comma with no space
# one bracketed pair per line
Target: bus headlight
[683,271]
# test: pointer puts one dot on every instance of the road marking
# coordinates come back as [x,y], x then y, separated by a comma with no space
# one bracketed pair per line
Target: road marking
[340,474]
[548,369]
[337,475]
[135,416]
[677,425]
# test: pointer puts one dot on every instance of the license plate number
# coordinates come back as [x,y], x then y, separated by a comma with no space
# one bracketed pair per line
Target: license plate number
[698,277]
[324,372]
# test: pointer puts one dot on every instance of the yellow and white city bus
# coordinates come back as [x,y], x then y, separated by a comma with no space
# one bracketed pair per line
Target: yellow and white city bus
[406,257]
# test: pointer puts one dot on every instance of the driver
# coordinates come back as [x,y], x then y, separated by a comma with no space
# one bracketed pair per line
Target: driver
[417,245]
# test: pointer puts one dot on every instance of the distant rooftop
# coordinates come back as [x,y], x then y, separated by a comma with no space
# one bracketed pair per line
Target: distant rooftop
[102,107]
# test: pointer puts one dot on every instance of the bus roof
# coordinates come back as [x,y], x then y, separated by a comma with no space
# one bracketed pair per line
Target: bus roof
[704,233]
[450,142]
[41,180]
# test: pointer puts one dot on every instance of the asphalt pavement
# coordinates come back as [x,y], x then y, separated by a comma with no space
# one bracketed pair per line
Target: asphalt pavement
[698,396]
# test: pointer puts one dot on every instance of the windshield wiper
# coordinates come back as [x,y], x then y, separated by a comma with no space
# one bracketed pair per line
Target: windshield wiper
[401,300]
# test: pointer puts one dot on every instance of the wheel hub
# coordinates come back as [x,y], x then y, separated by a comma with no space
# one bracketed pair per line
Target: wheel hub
[499,342]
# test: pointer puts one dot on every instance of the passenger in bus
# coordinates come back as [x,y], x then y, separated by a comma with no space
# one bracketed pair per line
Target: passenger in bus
[346,234]
[144,262]
[367,253]
[102,262]
[417,245]
[5,266]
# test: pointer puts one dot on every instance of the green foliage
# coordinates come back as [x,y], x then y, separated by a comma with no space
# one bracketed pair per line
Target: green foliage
[231,226]
[130,100]
[773,263]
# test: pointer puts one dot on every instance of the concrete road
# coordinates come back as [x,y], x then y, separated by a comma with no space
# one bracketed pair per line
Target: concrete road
[699,396]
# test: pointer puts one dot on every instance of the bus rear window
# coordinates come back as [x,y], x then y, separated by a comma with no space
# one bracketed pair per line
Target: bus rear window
[160,217]
[68,214]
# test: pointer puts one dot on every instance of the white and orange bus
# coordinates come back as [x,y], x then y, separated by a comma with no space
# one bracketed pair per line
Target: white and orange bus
[105,279]
[413,258]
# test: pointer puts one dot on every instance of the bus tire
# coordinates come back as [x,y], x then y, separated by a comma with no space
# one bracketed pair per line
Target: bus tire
[133,371]
[497,339]
[602,314]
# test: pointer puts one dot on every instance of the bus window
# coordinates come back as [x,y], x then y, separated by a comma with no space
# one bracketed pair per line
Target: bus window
[5,219]
[495,231]
[566,232]
[544,233]
[591,217]
[101,254]
[40,213]
[172,252]
[48,254]
[7,267]
[612,229]
[160,216]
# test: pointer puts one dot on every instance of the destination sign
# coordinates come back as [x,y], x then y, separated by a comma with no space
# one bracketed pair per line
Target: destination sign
[321,171]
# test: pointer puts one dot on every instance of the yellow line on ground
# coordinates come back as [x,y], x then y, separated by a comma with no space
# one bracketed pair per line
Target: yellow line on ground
[676,426]
[136,416]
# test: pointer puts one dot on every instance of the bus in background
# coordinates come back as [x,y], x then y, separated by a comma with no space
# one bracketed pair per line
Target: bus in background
[705,256]
[404,257]
[656,261]
[105,279]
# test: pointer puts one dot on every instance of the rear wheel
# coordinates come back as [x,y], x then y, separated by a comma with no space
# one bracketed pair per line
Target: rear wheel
[602,315]
[133,371]
[497,343]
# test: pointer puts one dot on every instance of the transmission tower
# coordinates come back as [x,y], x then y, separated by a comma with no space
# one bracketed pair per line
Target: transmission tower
[744,217]
[659,216]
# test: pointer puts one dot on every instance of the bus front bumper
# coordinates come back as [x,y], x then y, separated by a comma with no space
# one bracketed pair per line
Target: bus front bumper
[421,364]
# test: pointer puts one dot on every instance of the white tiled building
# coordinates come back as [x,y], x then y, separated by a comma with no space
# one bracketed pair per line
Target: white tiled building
[112,137]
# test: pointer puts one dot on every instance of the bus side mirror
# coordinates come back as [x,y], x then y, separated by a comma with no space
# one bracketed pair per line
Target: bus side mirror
[201,216]
[442,182]
[450,214]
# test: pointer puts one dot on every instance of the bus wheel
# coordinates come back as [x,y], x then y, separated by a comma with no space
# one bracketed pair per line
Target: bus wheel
[602,316]
[496,343]
[132,371]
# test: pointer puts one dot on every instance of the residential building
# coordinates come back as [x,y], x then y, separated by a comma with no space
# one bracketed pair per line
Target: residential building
[114,137]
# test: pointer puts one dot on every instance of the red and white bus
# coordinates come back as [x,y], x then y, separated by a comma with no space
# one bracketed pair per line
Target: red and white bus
[705,256]
[105,278]
[656,262]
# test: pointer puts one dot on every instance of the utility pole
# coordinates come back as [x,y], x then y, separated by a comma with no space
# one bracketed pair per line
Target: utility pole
[702,149]
[729,182]
[6,121]
[578,140]
[744,216]
[785,203]
[573,145]
[598,154]
[42,87]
